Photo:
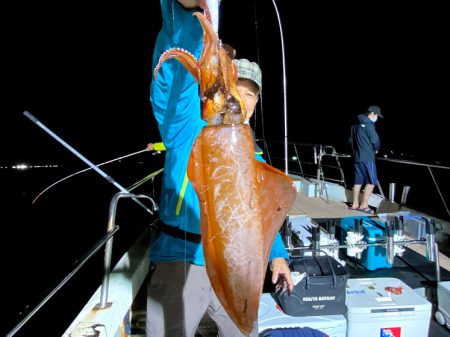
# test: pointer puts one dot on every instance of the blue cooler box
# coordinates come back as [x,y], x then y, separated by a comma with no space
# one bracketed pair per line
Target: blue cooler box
[373,257]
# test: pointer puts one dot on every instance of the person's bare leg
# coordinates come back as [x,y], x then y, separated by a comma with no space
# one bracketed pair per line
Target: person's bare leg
[356,191]
[368,189]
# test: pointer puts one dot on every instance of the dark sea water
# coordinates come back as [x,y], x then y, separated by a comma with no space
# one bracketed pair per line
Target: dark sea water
[42,243]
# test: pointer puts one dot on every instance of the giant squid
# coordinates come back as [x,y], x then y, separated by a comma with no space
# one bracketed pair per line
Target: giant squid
[243,202]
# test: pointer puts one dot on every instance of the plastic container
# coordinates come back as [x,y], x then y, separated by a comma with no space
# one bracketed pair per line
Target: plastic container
[385,307]
[443,297]
[373,257]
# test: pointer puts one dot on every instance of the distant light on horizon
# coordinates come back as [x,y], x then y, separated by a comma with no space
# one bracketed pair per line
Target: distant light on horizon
[23,166]
[20,167]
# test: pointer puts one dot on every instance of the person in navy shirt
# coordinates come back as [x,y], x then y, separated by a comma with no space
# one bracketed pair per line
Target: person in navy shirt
[365,143]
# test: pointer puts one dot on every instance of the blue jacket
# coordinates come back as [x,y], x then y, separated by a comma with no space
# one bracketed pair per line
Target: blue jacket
[364,139]
[174,96]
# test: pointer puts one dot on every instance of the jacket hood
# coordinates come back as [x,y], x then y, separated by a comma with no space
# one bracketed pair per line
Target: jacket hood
[363,119]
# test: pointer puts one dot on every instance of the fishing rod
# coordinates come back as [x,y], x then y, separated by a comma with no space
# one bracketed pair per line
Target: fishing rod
[213,7]
[283,59]
[87,169]
[83,158]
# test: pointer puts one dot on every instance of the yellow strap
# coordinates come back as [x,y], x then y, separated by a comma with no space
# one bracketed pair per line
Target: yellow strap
[183,190]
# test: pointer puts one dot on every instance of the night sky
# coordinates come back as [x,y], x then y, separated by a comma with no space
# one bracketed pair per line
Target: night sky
[84,72]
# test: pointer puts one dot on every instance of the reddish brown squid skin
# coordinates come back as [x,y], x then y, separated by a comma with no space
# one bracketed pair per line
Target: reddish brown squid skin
[243,204]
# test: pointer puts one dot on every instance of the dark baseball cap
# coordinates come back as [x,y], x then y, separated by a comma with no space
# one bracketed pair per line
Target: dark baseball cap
[375,109]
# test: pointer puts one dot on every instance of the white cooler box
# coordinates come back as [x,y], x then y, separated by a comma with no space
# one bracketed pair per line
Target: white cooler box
[443,297]
[270,316]
[385,307]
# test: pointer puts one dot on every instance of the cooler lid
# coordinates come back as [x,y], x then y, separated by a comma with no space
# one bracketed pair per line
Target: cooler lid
[375,295]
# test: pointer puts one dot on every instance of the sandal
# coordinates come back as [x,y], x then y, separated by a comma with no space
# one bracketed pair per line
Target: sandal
[367,210]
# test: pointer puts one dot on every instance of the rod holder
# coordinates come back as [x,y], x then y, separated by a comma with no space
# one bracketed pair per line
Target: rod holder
[430,229]
[354,240]
[315,239]
[288,233]
[359,225]
[405,193]
[359,231]
[399,225]
[390,249]
[392,192]
[332,231]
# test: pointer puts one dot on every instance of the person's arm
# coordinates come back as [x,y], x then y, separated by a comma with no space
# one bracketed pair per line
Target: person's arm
[174,93]
[281,274]
[278,259]
[373,137]
[351,138]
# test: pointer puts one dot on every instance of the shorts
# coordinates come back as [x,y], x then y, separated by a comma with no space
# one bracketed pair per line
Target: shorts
[366,173]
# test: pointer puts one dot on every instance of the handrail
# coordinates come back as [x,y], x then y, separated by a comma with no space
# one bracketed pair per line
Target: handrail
[429,167]
[415,163]
[107,241]
[108,249]
[318,151]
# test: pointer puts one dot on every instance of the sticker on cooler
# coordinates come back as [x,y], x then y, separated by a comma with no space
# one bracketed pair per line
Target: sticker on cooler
[391,332]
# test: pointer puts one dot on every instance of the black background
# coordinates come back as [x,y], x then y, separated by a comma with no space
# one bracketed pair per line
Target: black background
[84,72]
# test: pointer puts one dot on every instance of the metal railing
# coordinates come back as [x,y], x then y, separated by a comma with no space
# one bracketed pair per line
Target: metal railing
[309,160]
[313,161]
[108,248]
[430,168]
[106,241]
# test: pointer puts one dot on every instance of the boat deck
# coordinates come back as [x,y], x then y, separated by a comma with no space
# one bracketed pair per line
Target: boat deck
[412,268]
[320,208]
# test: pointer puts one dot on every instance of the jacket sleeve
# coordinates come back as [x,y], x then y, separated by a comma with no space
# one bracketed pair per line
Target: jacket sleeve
[373,137]
[278,249]
[351,136]
[174,92]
